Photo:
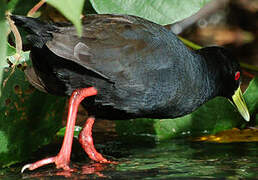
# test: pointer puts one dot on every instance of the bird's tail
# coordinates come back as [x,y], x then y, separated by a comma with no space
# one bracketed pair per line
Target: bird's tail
[39,32]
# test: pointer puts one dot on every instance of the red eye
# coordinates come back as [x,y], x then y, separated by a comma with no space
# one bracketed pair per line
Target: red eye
[237,75]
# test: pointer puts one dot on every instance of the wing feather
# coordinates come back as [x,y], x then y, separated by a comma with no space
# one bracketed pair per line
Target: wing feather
[109,45]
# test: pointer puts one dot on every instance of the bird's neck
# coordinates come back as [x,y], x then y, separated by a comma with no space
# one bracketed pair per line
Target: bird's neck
[211,78]
[205,80]
[201,86]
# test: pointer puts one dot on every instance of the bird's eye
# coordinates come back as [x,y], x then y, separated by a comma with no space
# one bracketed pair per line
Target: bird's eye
[237,75]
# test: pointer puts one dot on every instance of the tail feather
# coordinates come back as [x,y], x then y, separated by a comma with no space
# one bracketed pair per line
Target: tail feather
[39,31]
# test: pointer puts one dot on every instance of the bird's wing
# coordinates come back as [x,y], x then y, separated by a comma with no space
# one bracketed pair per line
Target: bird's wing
[111,44]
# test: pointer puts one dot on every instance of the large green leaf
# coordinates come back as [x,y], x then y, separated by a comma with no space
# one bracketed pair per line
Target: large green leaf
[214,116]
[71,9]
[159,11]
[28,118]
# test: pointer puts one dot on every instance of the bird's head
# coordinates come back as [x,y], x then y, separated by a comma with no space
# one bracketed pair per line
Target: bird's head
[225,70]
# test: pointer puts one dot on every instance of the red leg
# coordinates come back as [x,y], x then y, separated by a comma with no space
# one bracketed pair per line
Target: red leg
[86,140]
[63,158]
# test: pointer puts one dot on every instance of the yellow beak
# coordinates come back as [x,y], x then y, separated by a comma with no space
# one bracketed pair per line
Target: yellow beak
[239,102]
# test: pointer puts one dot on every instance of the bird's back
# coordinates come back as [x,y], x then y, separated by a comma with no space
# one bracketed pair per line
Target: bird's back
[137,66]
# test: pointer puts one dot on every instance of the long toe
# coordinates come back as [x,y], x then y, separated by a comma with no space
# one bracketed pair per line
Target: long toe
[58,160]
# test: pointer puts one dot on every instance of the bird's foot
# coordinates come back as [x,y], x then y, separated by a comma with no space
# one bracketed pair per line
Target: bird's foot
[86,140]
[59,160]
[63,158]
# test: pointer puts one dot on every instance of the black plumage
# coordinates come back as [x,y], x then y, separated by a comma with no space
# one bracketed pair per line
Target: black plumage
[139,68]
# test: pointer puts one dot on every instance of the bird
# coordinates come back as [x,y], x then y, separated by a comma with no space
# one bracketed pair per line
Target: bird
[123,67]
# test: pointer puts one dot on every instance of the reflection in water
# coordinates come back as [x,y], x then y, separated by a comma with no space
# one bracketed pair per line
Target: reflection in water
[186,159]
[171,159]
[79,171]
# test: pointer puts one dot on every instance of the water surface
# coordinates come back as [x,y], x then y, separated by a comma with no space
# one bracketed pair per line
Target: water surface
[174,159]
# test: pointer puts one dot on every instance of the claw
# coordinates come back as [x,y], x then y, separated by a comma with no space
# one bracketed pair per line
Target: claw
[27,166]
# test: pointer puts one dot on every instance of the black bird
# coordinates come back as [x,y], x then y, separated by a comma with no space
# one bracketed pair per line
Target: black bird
[130,67]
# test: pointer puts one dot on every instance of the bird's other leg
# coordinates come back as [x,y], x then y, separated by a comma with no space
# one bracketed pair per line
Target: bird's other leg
[86,140]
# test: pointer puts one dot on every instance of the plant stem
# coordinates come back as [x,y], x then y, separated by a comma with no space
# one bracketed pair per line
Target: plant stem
[190,44]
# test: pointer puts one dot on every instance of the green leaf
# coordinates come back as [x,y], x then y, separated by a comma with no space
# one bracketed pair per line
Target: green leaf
[3,38]
[77,130]
[25,124]
[10,50]
[160,11]
[71,9]
[251,96]
[12,4]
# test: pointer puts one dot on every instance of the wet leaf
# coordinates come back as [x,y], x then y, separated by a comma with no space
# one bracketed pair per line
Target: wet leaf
[159,11]
[232,135]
